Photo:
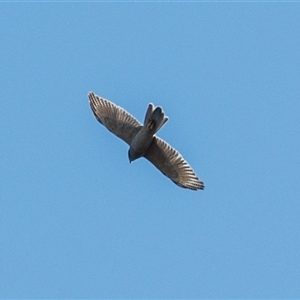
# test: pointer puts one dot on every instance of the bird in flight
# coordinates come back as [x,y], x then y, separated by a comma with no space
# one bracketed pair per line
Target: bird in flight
[142,140]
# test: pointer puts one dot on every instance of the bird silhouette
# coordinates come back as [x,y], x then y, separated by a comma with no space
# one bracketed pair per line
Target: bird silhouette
[143,141]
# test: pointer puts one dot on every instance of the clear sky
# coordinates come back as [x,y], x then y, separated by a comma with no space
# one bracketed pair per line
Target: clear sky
[78,221]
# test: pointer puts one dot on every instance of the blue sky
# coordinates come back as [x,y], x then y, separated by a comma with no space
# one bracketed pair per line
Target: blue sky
[78,221]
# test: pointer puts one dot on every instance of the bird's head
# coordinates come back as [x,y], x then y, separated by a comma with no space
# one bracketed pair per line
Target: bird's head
[133,155]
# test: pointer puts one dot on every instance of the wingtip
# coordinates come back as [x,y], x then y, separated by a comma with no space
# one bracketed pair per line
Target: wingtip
[90,94]
[200,185]
[195,186]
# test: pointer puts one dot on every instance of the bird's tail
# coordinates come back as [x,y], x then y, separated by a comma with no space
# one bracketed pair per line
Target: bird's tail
[155,118]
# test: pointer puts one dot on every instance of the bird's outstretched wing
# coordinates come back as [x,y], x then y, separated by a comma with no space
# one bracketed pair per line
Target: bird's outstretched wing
[172,164]
[114,118]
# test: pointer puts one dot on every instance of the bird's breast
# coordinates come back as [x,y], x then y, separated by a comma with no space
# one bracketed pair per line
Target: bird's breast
[142,140]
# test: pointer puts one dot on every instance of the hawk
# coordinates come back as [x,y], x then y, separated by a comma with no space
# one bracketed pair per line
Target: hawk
[143,140]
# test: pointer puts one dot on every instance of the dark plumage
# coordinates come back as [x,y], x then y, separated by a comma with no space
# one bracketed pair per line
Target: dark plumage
[143,142]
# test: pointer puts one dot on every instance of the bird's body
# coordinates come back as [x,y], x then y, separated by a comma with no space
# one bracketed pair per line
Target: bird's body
[142,140]
[140,143]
